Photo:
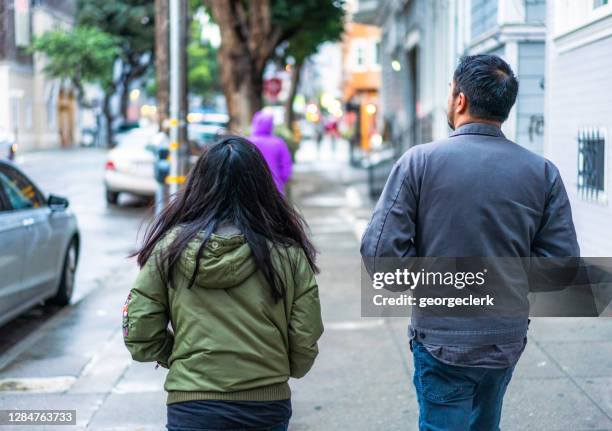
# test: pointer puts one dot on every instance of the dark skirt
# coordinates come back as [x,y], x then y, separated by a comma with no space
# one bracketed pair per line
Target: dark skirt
[216,415]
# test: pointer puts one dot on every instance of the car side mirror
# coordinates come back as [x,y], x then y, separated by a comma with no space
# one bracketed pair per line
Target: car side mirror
[57,203]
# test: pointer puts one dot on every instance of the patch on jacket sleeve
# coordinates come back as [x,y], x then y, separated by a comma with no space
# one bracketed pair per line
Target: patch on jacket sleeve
[125,320]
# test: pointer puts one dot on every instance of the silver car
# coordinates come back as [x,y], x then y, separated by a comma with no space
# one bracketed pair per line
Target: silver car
[39,245]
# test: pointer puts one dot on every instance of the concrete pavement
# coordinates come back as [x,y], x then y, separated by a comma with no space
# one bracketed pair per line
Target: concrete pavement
[362,378]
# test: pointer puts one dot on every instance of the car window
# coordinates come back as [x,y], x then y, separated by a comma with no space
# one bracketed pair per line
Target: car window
[136,139]
[20,193]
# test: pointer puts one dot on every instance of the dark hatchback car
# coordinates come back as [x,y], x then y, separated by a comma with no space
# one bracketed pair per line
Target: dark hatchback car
[39,245]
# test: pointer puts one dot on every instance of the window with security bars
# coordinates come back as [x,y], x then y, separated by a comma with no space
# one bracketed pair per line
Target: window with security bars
[591,162]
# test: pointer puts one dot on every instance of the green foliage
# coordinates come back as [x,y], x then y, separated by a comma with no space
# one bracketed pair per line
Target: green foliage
[309,23]
[83,55]
[203,74]
[131,21]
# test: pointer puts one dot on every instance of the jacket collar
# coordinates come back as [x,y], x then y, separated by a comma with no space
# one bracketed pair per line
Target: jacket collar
[478,129]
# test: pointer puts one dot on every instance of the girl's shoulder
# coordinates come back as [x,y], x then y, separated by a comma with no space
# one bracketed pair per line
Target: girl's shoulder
[289,254]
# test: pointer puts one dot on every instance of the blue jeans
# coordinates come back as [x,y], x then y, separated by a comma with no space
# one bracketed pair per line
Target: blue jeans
[215,415]
[453,398]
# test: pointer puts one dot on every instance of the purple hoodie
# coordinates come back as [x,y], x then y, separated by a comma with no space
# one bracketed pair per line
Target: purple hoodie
[273,148]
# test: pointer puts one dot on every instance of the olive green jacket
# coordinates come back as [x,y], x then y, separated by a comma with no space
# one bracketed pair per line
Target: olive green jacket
[228,339]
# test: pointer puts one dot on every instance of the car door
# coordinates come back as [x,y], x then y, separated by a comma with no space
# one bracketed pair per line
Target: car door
[12,294]
[40,269]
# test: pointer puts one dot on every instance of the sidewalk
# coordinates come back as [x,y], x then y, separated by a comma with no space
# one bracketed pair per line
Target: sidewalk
[362,378]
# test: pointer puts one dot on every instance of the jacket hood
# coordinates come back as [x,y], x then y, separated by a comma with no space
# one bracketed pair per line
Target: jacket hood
[226,261]
[263,124]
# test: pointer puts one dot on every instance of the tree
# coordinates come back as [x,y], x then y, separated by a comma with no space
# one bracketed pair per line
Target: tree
[82,56]
[251,32]
[132,23]
[304,44]
[203,67]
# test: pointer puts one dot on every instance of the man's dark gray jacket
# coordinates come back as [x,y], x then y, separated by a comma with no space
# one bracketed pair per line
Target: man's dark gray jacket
[473,194]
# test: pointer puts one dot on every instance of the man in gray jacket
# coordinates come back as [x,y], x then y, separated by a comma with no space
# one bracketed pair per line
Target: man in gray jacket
[473,194]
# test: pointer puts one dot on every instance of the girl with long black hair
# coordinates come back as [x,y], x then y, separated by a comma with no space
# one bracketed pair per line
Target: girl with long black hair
[226,297]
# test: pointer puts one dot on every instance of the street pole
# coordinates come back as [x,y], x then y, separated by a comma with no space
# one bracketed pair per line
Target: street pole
[184,101]
[177,115]
[161,61]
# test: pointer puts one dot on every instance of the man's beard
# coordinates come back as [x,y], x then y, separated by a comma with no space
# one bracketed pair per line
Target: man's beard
[450,121]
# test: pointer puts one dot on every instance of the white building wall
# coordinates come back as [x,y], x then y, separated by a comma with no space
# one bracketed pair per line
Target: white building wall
[578,94]
[18,99]
[4,101]
[27,92]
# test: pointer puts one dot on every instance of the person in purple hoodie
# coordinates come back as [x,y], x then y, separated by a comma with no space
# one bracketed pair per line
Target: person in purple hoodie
[273,148]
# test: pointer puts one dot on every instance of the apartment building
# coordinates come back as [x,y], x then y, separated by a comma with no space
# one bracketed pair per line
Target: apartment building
[39,112]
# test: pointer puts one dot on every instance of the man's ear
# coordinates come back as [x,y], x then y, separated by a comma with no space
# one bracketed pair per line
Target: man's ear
[461,105]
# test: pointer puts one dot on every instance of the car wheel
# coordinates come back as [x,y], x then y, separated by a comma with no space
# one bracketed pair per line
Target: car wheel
[112,197]
[66,287]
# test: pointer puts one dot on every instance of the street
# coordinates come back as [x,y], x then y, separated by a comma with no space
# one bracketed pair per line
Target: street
[74,358]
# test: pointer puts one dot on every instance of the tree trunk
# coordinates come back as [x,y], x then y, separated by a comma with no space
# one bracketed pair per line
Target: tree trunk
[256,92]
[242,86]
[124,96]
[161,60]
[248,39]
[108,116]
[295,82]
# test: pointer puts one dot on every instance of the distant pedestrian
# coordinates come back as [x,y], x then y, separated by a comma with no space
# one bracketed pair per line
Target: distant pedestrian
[319,134]
[473,194]
[273,148]
[333,131]
[226,297]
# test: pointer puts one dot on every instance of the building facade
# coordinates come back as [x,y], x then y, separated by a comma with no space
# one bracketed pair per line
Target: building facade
[361,78]
[418,54]
[39,112]
[516,31]
[579,114]
[561,51]
[422,41]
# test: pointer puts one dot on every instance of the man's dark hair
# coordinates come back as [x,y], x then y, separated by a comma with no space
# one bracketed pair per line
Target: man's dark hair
[489,85]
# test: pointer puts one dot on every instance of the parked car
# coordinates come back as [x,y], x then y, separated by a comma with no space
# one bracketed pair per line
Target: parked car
[129,166]
[209,118]
[201,135]
[39,245]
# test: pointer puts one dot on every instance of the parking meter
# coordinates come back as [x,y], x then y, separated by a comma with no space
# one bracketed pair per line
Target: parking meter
[162,165]
[161,172]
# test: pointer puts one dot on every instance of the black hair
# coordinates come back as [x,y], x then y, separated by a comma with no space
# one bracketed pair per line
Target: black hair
[230,182]
[489,85]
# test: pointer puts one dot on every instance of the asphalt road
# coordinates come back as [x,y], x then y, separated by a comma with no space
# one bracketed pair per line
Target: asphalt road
[108,234]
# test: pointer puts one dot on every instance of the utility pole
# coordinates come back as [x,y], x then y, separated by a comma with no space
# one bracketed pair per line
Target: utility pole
[179,152]
[184,104]
[161,61]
